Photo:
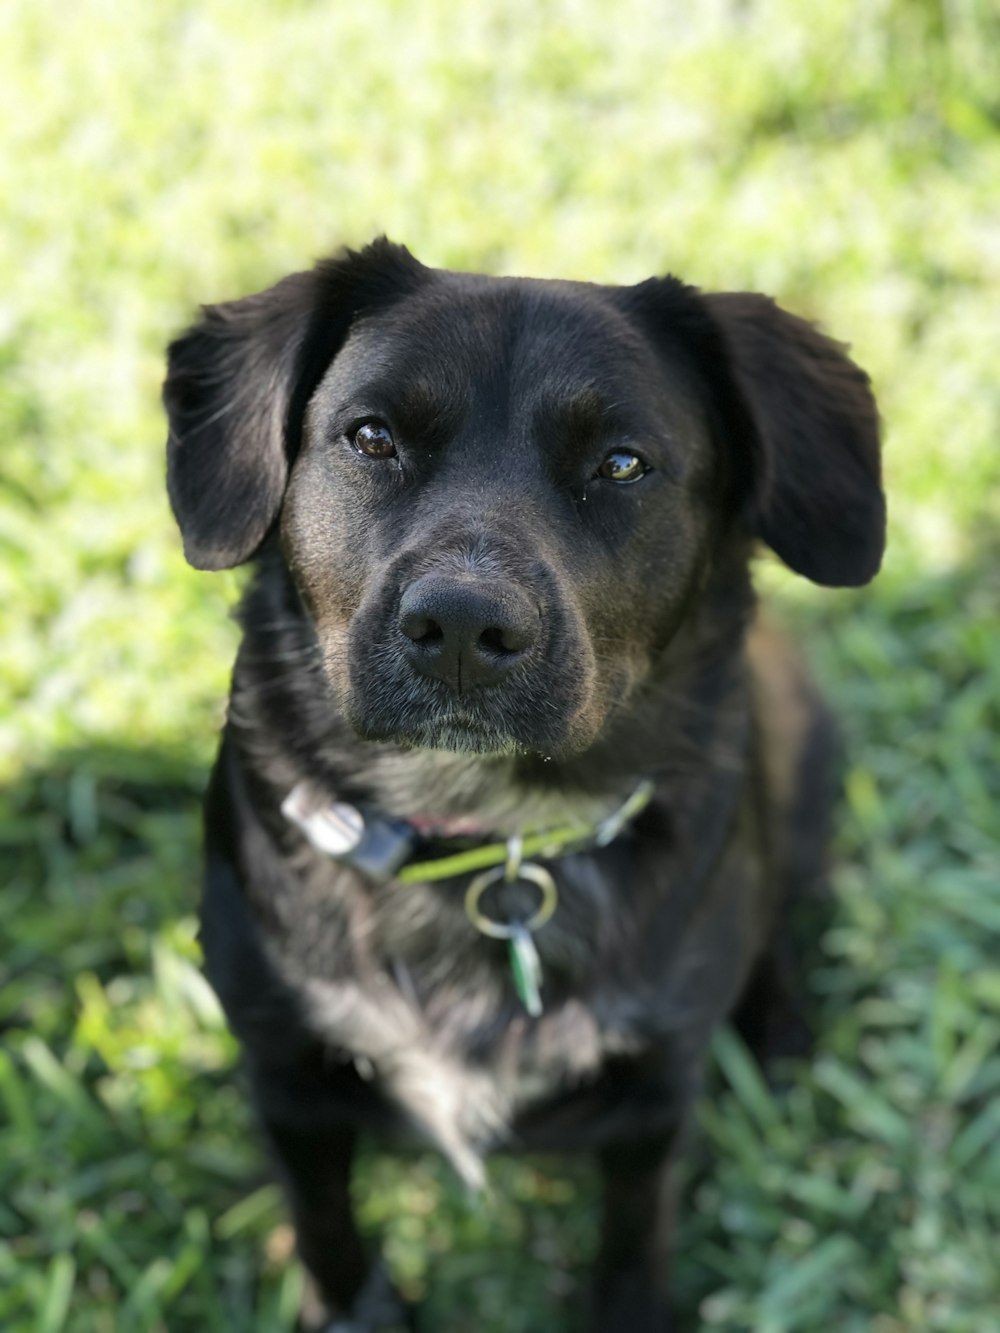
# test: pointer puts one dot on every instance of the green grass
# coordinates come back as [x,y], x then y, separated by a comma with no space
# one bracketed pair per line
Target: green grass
[844,158]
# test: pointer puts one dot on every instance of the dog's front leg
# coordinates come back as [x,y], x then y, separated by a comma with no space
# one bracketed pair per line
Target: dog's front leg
[346,1292]
[636,1236]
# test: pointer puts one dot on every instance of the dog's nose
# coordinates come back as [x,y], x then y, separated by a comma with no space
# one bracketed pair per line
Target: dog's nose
[466,632]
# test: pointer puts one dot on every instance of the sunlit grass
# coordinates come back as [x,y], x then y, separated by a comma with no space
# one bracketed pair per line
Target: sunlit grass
[844,158]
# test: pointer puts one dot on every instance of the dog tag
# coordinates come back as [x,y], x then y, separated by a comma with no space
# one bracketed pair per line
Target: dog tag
[525,968]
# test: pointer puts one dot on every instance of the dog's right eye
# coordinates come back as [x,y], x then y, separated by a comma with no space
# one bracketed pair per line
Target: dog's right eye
[622,466]
[374,440]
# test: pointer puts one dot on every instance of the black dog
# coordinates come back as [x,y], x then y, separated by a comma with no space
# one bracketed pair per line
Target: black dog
[514,796]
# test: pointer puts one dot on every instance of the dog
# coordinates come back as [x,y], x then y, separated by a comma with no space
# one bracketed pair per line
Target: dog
[517,793]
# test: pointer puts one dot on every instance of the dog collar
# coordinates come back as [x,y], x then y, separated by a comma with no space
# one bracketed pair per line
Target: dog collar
[383,849]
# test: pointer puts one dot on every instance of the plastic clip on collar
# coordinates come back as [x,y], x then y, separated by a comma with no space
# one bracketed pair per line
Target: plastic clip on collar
[376,846]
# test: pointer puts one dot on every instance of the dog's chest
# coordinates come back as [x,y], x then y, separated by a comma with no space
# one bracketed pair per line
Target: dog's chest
[463,1069]
[428,1009]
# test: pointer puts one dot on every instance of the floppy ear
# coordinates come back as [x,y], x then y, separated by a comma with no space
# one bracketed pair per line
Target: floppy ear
[816,495]
[237,385]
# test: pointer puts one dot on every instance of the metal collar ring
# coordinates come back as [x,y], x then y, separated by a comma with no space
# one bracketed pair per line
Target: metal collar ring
[527,872]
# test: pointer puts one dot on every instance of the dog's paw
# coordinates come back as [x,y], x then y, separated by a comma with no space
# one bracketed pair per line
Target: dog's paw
[378,1308]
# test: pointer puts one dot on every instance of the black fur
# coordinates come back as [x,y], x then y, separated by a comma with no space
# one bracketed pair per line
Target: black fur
[380,1007]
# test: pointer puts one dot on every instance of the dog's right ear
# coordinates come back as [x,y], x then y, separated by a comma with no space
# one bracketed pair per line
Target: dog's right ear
[798,419]
[816,496]
[238,383]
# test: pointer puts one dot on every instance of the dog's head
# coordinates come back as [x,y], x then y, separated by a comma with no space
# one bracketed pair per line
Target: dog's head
[498,497]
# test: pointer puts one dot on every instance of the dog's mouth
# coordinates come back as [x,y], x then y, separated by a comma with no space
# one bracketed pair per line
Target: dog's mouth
[537,712]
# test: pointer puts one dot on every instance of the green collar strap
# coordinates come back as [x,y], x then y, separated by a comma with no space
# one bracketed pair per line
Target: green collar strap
[384,849]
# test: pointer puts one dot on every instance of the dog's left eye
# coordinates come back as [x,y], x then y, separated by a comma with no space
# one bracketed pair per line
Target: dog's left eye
[622,466]
[374,440]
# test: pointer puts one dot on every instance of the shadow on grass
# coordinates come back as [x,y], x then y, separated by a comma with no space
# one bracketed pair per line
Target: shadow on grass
[136,1194]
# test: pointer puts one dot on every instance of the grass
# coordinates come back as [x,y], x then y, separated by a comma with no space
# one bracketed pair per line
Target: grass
[845,160]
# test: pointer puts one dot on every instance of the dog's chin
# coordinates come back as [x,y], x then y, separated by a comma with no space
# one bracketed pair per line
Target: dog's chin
[454,731]
[455,735]
[462,738]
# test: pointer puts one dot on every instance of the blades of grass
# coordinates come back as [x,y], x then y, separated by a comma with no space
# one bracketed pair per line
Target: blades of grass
[115,1172]
[945,1011]
[280,1312]
[206,1280]
[290,1296]
[181,1272]
[17,1100]
[966,900]
[82,806]
[95,1236]
[232,1166]
[263,1204]
[183,984]
[744,1077]
[982,1132]
[870,1112]
[144,1305]
[734,1132]
[969,1058]
[22,1296]
[827,1196]
[58,1294]
[818,1271]
[57,1079]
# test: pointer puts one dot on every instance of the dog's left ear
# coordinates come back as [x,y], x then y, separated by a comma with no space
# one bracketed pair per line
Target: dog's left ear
[237,387]
[816,494]
[227,395]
